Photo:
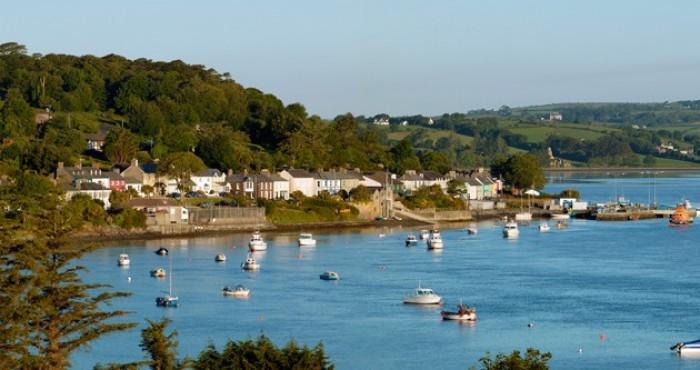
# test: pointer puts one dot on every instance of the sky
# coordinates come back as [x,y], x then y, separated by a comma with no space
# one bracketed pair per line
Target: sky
[398,57]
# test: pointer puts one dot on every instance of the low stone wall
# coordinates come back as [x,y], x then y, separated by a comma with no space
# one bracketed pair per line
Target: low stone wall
[226,216]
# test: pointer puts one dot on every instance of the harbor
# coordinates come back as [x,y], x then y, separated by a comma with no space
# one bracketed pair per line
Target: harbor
[586,292]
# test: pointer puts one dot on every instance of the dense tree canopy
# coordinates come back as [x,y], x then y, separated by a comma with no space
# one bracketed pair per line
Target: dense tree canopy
[521,171]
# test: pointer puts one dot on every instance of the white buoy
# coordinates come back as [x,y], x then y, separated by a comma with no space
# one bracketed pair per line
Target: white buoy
[530,325]
[128,279]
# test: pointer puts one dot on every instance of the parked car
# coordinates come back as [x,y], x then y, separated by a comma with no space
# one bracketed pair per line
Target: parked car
[227,203]
[191,194]
[174,195]
[205,205]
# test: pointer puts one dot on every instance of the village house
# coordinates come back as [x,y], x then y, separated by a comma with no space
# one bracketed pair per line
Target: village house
[411,181]
[80,174]
[434,178]
[349,179]
[329,181]
[93,190]
[300,180]
[209,181]
[95,141]
[264,185]
[160,211]
[143,174]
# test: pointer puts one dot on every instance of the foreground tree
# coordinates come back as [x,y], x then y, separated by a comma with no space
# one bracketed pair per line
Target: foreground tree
[47,311]
[533,360]
[161,347]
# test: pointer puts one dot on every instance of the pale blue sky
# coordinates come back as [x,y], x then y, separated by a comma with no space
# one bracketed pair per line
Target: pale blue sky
[398,57]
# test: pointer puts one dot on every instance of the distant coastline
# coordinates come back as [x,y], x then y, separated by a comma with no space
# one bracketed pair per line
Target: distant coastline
[623,169]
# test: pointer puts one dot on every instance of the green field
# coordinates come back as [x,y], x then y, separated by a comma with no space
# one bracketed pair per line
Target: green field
[537,133]
[672,163]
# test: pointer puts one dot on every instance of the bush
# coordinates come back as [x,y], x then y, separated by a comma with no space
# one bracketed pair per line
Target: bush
[360,194]
[81,208]
[570,193]
[533,360]
[129,218]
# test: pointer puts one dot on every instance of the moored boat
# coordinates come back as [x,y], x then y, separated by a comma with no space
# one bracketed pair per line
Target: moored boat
[680,216]
[510,230]
[330,275]
[560,216]
[256,242]
[411,240]
[463,313]
[422,296]
[239,291]
[158,272]
[544,227]
[435,240]
[250,264]
[687,348]
[220,257]
[472,230]
[168,300]
[562,225]
[123,260]
[306,240]
[162,251]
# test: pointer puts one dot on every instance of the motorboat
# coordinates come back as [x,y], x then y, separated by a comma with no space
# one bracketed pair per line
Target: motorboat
[306,240]
[472,230]
[256,242]
[435,240]
[168,300]
[158,272]
[162,251]
[424,235]
[562,225]
[239,291]
[687,348]
[220,257]
[544,227]
[463,313]
[680,216]
[250,264]
[123,260]
[422,296]
[510,230]
[411,240]
[330,275]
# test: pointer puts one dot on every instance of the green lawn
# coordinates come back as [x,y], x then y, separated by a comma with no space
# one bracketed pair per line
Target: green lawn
[672,163]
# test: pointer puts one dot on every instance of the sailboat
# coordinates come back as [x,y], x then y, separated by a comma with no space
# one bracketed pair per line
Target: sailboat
[168,300]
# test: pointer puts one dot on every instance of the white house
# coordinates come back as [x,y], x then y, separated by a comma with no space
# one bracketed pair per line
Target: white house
[280,186]
[208,181]
[300,180]
[92,189]
[329,181]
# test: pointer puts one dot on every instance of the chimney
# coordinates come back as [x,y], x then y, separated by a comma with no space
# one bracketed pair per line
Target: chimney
[230,172]
[60,166]
[135,162]
[264,171]
[245,171]
[80,163]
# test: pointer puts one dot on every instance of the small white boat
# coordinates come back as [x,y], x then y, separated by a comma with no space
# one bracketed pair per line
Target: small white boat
[544,227]
[239,291]
[411,240]
[424,235]
[435,240]
[306,240]
[158,272]
[687,348]
[220,257]
[168,300]
[422,296]
[162,251]
[562,225]
[256,242]
[560,216]
[510,230]
[472,230]
[250,264]
[463,313]
[123,260]
[330,275]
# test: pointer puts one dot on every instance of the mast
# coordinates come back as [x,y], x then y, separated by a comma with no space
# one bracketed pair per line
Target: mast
[170,284]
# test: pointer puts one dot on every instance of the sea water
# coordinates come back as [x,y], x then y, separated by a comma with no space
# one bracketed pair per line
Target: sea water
[599,295]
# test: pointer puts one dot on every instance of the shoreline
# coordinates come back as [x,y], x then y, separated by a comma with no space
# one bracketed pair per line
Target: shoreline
[623,169]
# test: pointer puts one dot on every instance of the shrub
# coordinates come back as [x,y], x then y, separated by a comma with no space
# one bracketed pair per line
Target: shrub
[129,218]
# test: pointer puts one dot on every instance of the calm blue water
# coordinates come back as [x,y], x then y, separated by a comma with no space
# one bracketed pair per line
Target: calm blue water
[633,282]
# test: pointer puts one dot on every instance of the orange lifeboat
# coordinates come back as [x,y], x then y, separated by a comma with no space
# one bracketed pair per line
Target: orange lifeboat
[680,216]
